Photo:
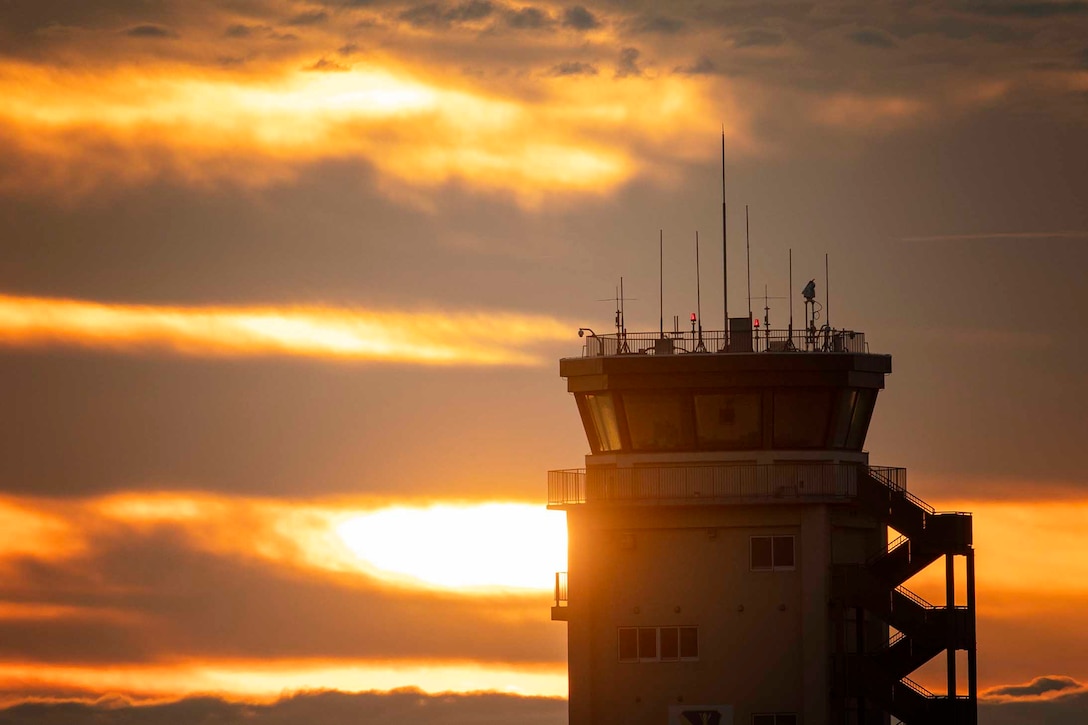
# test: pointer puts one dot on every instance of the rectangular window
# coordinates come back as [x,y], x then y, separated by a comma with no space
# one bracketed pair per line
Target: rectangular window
[628,649]
[658,644]
[603,413]
[772,553]
[689,643]
[670,643]
[647,644]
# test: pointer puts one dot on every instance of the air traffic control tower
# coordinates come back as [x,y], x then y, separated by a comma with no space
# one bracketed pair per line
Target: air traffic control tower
[730,561]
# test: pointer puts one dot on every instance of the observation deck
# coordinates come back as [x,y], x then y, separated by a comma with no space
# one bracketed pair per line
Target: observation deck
[745,340]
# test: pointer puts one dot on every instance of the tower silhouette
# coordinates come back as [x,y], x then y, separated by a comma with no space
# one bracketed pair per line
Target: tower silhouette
[730,559]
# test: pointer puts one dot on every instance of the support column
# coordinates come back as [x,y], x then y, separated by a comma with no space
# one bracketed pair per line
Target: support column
[972,642]
[950,606]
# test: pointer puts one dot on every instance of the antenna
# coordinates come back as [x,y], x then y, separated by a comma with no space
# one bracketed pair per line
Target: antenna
[827,293]
[725,263]
[791,294]
[748,261]
[700,347]
[661,280]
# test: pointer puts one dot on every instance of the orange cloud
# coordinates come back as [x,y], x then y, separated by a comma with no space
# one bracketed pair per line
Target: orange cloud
[80,130]
[322,332]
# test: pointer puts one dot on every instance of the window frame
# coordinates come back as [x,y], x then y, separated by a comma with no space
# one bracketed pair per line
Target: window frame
[774,565]
[658,656]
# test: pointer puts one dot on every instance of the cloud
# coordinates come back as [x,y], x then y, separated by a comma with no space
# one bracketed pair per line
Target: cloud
[239,30]
[573,68]
[703,66]
[757,38]
[320,708]
[328,66]
[186,582]
[474,339]
[313,17]
[529,18]
[872,38]
[658,25]
[628,64]
[579,18]
[150,31]
[440,15]
[1039,687]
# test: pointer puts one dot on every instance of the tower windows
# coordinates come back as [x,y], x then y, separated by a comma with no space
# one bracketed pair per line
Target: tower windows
[776,719]
[771,553]
[658,644]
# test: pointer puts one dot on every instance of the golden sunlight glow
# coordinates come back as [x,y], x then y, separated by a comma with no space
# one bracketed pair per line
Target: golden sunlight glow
[273,679]
[491,545]
[348,334]
[414,130]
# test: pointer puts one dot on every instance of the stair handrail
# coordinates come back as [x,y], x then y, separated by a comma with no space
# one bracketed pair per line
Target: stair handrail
[918,688]
[891,546]
[916,598]
[876,474]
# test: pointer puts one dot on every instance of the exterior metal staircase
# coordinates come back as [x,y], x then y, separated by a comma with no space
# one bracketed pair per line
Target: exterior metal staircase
[876,673]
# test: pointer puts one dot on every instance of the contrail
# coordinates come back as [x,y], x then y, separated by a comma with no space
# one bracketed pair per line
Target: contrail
[998,235]
[434,338]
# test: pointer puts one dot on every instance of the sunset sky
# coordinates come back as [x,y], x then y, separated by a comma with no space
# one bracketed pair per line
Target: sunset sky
[283,286]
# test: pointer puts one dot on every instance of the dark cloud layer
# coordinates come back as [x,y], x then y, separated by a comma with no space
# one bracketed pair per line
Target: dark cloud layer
[319,708]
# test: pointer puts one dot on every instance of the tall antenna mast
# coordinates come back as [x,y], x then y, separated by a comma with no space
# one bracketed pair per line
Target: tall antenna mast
[698,296]
[725,237]
[827,293]
[748,261]
[791,294]
[661,281]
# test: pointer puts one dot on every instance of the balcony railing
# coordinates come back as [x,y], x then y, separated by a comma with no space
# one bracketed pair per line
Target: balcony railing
[781,482]
[683,342]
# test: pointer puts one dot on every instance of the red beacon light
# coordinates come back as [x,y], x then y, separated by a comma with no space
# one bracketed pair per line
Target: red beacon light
[755,322]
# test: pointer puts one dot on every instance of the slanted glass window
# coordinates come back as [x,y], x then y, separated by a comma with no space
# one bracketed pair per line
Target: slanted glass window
[728,420]
[658,421]
[859,421]
[845,400]
[628,644]
[602,412]
[772,553]
[800,417]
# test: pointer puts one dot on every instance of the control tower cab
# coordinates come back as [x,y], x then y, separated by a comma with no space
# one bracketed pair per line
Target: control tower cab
[729,557]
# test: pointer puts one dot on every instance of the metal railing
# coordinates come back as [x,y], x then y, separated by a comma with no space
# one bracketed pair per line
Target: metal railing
[896,480]
[686,342]
[778,482]
[561,589]
[918,688]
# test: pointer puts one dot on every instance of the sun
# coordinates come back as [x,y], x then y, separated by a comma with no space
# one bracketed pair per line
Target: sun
[466,547]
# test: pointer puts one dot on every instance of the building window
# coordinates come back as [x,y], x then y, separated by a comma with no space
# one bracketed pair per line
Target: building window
[603,414]
[775,719]
[658,644]
[772,553]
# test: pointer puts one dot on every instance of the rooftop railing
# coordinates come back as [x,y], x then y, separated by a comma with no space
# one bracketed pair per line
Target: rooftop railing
[716,341]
